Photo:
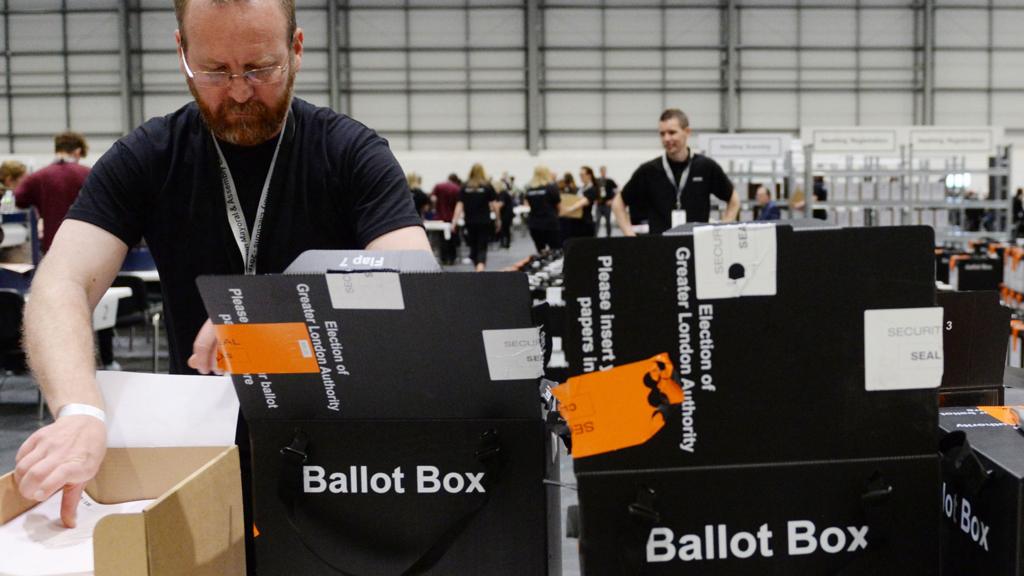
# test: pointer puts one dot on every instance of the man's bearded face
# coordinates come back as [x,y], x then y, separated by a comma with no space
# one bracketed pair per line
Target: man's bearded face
[251,122]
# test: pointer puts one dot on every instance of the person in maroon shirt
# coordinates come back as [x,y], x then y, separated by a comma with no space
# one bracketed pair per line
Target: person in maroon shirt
[445,196]
[52,190]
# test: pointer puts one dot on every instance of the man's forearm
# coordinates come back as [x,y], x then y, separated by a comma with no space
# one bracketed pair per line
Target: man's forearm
[619,209]
[59,343]
[732,210]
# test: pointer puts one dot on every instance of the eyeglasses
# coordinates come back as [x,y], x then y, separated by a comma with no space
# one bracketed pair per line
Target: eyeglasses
[268,75]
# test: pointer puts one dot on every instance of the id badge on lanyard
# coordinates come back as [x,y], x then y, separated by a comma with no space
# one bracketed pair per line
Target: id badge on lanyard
[678,214]
[678,217]
[247,244]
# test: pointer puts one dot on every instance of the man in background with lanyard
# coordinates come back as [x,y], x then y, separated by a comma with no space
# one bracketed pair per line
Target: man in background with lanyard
[242,180]
[677,187]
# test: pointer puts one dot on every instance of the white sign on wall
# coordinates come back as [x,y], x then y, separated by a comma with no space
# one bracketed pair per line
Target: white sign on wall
[955,140]
[745,146]
[854,140]
[887,141]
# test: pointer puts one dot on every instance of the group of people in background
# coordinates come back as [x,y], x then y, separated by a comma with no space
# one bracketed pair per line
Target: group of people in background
[481,209]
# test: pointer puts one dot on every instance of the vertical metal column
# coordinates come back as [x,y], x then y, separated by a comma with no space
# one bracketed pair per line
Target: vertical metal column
[604,75]
[67,65]
[856,63]
[126,74]
[732,103]
[809,181]
[7,77]
[928,66]
[990,52]
[468,63]
[408,76]
[799,62]
[664,55]
[332,55]
[533,76]
[917,58]
[348,58]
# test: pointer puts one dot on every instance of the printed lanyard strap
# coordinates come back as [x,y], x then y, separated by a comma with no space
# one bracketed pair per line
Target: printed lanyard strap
[679,186]
[247,245]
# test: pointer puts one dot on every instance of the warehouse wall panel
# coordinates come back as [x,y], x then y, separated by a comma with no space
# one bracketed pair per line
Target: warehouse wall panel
[961,28]
[606,67]
[828,109]
[497,111]
[381,111]
[97,114]
[700,27]
[768,110]
[38,114]
[887,109]
[961,109]
[961,69]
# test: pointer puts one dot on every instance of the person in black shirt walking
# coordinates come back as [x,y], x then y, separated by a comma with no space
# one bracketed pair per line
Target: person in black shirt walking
[606,189]
[477,201]
[677,187]
[543,197]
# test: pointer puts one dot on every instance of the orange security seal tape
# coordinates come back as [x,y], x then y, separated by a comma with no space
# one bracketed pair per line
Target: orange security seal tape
[1004,414]
[283,348]
[618,408]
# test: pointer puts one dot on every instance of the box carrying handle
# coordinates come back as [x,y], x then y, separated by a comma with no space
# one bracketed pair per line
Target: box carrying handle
[489,453]
[961,464]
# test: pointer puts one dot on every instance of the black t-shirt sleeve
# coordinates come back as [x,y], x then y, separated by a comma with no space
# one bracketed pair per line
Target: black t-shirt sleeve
[462,196]
[721,186]
[492,196]
[634,188]
[113,195]
[379,197]
[553,194]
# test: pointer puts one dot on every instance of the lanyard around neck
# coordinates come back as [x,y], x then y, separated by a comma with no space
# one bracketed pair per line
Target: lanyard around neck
[679,186]
[247,244]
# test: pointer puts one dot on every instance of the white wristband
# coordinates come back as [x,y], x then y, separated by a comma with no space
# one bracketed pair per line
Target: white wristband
[82,410]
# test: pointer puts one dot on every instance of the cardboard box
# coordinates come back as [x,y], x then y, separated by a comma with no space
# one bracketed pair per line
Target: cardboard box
[569,200]
[982,524]
[193,528]
[394,421]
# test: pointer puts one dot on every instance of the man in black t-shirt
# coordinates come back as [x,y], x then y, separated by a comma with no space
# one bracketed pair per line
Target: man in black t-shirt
[677,187]
[244,156]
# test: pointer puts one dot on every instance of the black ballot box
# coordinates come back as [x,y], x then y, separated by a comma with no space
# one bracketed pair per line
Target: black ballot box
[982,491]
[395,421]
[977,272]
[808,361]
[976,330]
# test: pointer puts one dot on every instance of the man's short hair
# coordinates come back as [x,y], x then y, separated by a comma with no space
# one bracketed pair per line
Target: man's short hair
[287,5]
[68,142]
[684,121]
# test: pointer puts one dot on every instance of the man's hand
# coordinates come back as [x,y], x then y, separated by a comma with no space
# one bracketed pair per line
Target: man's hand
[64,455]
[204,350]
